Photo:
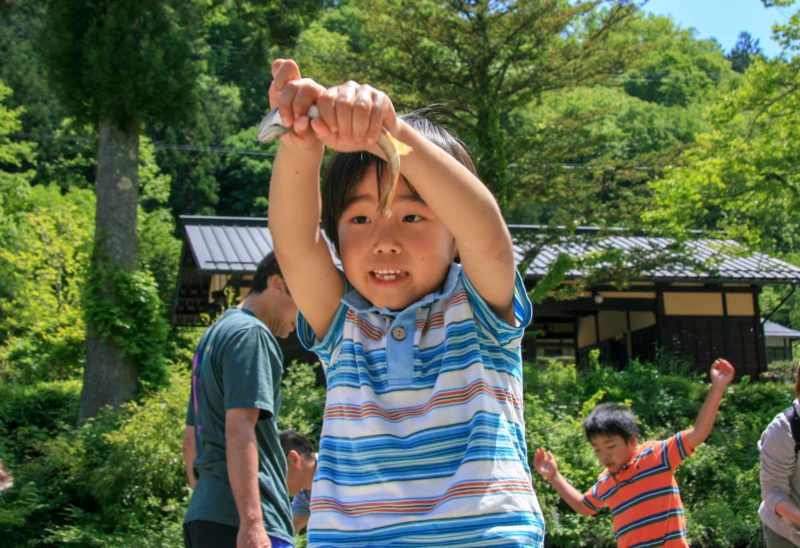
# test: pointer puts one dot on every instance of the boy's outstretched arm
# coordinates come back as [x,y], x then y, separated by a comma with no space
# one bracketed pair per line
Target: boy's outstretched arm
[546,466]
[722,373]
[468,209]
[295,203]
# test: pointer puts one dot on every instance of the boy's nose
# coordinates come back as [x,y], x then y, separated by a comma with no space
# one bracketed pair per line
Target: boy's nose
[386,238]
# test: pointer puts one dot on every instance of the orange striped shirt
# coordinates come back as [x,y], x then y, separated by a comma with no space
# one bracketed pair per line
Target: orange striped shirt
[643,496]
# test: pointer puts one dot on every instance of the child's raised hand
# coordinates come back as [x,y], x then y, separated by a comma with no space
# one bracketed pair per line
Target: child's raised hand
[722,372]
[545,463]
[293,96]
[352,115]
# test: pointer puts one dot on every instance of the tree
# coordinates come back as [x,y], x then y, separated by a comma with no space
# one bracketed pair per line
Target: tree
[118,64]
[484,58]
[744,52]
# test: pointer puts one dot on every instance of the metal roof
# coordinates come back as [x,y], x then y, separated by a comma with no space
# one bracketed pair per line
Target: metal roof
[227,245]
[772,329]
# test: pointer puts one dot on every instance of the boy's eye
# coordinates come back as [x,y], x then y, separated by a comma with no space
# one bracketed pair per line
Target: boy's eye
[360,219]
[412,218]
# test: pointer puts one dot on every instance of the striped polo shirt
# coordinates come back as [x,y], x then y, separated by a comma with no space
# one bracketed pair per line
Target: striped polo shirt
[423,438]
[643,496]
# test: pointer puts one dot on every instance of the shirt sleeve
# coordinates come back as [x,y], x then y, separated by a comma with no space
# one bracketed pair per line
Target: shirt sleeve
[190,409]
[325,349]
[301,504]
[677,449]
[505,333]
[249,363]
[778,461]
[591,500]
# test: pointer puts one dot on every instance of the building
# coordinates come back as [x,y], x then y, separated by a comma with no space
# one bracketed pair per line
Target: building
[695,303]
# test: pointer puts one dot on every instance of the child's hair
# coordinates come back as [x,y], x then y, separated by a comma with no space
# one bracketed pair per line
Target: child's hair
[609,419]
[346,170]
[266,268]
[292,440]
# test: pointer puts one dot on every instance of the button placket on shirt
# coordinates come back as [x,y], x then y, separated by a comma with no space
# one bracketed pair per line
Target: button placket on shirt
[400,347]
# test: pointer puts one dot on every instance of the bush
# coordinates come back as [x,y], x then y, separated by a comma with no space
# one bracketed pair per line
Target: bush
[116,481]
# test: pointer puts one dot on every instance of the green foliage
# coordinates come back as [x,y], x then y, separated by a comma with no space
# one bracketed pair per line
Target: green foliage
[43,260]
[122,61]
[117,480]
[124,307]
[303,401]
[742,175]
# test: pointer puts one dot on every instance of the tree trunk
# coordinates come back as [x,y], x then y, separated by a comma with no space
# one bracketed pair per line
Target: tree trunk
[109,378]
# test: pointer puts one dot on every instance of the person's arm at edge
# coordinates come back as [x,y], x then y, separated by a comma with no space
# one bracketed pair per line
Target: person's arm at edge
[722,373]
[295,207]
[778,460]
[189,454]
[470,212]
[241,455]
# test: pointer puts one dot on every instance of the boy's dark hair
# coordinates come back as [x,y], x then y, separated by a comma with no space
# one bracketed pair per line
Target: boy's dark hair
[266,268]
[346,169]
[292,440]
[608,419]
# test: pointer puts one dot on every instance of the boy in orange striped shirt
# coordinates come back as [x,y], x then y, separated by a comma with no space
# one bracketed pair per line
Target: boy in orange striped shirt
[638,484]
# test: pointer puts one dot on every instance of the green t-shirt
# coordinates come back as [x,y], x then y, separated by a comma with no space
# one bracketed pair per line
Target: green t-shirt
[238,364]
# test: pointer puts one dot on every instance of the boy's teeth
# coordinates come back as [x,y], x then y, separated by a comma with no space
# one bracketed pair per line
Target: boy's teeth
[388,274]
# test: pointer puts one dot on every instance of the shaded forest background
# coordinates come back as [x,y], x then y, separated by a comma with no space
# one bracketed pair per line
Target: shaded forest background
[118,116]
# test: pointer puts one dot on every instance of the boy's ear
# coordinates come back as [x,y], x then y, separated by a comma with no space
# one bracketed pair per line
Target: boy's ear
[276,281]
[293,459]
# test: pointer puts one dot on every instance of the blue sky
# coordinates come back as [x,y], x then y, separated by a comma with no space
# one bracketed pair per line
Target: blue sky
[725,19]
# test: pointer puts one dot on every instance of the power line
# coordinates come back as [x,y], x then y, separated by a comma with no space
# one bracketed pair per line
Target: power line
[156,144]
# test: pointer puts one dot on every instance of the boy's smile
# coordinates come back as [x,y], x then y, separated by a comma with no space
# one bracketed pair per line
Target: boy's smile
[613,451]
[396,261]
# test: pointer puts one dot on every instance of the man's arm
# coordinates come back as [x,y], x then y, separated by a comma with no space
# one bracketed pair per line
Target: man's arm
[189,454]
[545,464]
[241,455]
[722,373]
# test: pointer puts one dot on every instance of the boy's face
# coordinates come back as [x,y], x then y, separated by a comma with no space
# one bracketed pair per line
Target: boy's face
[393,262]
[613,451]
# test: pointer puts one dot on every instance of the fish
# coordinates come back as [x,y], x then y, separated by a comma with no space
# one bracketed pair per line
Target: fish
[271,129]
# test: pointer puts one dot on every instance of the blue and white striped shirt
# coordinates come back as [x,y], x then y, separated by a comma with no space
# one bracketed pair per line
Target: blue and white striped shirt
[423,440]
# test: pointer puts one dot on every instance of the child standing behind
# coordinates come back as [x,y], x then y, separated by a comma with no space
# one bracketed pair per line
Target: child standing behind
[423,436]
[638,484]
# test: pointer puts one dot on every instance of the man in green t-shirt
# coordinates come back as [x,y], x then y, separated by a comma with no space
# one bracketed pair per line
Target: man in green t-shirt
[231,444]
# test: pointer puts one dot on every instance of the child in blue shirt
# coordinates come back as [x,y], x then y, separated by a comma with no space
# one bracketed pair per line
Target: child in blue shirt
[423,439]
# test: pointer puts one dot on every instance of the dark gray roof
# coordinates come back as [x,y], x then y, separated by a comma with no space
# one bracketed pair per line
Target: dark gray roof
[700,260]
[772,329]
[228,245]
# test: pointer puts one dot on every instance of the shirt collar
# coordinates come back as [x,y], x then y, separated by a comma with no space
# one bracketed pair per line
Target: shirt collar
[357,302]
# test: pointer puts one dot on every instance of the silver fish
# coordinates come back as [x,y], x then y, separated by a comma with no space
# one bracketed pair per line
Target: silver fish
[271,128]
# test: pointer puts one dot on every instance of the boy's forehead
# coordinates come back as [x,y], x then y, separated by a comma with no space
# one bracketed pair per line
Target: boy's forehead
[602,439]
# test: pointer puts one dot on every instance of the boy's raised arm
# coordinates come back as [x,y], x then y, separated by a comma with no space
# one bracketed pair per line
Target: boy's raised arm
[545,464]
[295,203]
[722,373]
[471,214]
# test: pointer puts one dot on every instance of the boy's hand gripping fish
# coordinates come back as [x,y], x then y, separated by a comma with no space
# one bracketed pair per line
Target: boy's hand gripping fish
[271,128]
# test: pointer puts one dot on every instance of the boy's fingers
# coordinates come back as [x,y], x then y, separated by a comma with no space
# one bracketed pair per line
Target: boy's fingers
[283,71]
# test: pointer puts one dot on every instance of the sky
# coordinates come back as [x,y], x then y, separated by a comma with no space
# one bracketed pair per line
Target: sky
[725,19]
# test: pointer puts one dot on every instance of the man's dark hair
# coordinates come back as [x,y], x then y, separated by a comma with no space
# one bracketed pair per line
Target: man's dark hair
[608,419]
[346,169]
[266,268]
[292,440]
